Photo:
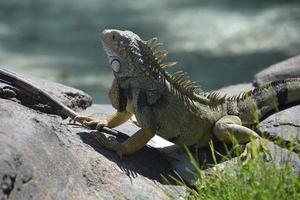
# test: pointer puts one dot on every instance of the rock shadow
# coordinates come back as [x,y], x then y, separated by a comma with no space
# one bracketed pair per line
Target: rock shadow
[148,161]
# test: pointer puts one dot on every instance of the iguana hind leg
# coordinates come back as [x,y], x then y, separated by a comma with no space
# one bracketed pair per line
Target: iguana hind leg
[129,146]
[115,120]
[229,126]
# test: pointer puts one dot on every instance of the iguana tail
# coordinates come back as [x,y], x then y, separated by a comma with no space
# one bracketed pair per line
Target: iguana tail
[257,104]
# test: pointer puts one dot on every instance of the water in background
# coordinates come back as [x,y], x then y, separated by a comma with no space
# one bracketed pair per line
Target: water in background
[218,42]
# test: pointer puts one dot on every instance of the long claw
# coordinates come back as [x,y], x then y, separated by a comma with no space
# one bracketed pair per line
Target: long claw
[81,119]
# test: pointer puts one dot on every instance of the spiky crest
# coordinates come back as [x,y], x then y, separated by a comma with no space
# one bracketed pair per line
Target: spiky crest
[153,43]
[258,90]
[179,83]
[217,97]
[168,65]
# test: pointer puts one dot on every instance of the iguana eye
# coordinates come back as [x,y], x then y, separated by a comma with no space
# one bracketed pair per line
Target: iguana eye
[115,65]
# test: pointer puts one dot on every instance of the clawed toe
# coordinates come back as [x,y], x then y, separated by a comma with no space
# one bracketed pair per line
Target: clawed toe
[108,142]
[89,122]
[82,119]
[253,149]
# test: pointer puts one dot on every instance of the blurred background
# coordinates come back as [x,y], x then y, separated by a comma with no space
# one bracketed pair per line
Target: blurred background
[218,42]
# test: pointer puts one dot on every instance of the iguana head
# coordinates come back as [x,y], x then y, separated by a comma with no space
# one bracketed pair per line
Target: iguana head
[123,51]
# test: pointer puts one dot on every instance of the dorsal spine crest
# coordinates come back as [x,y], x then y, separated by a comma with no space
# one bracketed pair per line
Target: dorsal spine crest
[180,85]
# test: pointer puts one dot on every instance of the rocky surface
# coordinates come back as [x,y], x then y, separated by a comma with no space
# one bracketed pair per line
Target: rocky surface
[42,156]
[285,124]
[35,162]
[235,89]
[286,69]
[73,98]
[281,157]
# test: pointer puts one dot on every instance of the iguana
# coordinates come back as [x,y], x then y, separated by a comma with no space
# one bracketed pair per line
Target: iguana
[174,107]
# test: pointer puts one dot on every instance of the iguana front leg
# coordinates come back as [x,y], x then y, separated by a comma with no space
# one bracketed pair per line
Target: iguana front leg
[115,120]
[229,126]
[129,146]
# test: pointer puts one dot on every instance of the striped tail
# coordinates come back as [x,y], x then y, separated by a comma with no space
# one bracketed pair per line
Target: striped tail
[255,105]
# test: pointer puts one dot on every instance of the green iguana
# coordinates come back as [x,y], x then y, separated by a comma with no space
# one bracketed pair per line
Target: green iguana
[175,108]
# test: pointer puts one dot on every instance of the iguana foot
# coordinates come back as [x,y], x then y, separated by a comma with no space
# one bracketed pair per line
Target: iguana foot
[109,142]
[90,122]
[253,149]
[229,127]
[134,143]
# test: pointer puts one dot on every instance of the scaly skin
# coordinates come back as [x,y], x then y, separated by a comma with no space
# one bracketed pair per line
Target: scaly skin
[172,106]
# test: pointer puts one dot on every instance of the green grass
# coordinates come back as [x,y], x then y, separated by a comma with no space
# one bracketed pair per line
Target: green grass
[256,180]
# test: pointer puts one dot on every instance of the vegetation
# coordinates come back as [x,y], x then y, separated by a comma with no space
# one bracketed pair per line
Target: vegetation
[258,179]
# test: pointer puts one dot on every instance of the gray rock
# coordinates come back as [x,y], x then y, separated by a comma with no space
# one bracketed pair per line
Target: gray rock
[35,163]
[235,89]
[280,157]
[42,157]
[283,157]
[286,69]
[45,157]
[73,98]
[284,124]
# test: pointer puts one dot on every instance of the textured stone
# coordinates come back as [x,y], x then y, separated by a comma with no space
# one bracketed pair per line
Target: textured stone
[286,69]
[284,124]
[281,157]
[235,89]
[35,163]
[44,157]
[73,98]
